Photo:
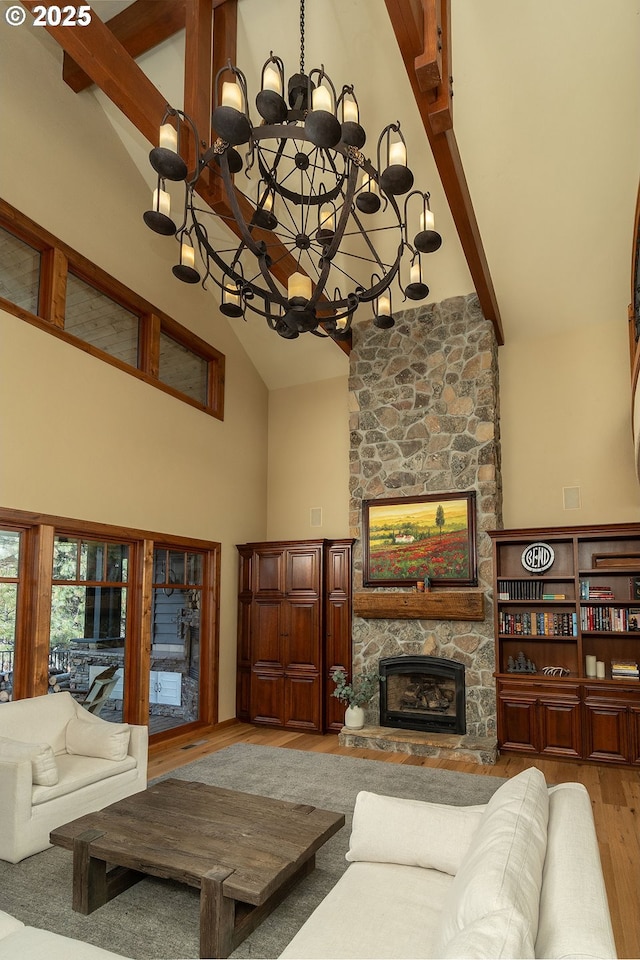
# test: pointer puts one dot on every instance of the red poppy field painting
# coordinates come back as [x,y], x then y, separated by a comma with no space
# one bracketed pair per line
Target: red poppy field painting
[407,539]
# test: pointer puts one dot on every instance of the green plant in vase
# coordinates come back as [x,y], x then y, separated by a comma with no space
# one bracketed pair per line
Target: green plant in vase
[355,694]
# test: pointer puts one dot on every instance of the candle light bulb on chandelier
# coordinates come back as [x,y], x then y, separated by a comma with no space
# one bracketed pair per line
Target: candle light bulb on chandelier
[185,270]
[299,287]
[272,80]
[232,95]
[168,139]
[159,217]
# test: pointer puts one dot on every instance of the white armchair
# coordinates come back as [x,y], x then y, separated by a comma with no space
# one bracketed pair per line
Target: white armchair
[58,762]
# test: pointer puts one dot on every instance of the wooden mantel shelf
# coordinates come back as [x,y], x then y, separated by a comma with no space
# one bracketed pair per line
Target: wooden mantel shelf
[434,605]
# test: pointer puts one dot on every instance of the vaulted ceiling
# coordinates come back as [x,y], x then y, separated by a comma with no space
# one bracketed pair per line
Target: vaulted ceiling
[532,167]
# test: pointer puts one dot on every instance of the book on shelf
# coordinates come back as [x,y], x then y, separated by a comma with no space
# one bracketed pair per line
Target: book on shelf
[537,624]
[608,619]
[625,668]
[554,596]
[519,589]
[601,593]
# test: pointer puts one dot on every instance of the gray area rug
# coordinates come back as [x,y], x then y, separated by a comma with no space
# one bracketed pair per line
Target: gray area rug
[159,919]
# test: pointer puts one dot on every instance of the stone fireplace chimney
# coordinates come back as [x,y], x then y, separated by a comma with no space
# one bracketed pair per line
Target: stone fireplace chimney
[425,419]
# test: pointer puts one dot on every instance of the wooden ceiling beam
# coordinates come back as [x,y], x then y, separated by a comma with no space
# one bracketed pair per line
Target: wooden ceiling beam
[139,28]
[103,58]
[434,105]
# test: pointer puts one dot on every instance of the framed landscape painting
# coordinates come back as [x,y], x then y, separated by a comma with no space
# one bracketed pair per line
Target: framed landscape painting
[406,539]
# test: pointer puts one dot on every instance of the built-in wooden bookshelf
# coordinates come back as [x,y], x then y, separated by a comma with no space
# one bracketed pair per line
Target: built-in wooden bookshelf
[579,618]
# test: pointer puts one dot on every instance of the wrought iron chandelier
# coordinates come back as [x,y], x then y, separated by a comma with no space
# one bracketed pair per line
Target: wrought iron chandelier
[311,190]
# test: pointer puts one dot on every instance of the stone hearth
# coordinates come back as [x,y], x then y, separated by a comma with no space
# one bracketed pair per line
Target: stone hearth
[443,746]
[425,419]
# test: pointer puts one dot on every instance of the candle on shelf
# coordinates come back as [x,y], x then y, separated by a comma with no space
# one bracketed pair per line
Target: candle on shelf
[321,99]
[398,153]
[272,80]
[299,285]
[169,137]
[162,202]
[231,95]
[590,662]
[427,220]
[600,669]
[349,111]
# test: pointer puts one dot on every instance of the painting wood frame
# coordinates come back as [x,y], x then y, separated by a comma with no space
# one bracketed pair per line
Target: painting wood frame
[406,539]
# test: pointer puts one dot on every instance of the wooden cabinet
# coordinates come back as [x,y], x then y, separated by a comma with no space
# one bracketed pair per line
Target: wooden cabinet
[582,609]
[294,628]
[540,718]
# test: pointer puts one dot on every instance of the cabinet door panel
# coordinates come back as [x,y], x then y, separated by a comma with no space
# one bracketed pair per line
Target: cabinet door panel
[303,709]
[560,728]
[606,733]
[339,570]
[267,698]
[517,724]
[302,635]
[268,571]
[266,634]
[303,571]
[634,734]
[243,693]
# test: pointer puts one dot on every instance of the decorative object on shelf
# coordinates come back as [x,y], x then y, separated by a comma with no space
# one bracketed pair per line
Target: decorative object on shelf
[404,535]
[555,671]
[521,665]
[420,586]
[600,669]
[356,694]
[538,557]
[629,561]
[309,186]
[634,588]
[590,665]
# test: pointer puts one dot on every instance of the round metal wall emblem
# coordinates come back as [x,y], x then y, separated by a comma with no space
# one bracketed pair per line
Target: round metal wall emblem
[537,557]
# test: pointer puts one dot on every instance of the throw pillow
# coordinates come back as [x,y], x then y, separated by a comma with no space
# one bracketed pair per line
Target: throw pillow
[98,738]
[412,832]
[44,770]
[503,867]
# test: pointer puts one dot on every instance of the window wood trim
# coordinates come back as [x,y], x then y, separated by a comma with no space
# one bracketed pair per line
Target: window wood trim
[31,653]
[57,260]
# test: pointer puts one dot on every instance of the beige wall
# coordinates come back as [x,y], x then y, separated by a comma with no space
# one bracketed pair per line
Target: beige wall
[565,405]
[79,437]
[309,460]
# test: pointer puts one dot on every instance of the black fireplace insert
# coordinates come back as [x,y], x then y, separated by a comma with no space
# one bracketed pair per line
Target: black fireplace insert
[422,693]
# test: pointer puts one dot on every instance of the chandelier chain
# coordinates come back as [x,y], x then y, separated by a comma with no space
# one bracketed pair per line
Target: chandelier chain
[301,36]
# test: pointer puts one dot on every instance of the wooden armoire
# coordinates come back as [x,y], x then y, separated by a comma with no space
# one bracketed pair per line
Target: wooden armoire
[294,629]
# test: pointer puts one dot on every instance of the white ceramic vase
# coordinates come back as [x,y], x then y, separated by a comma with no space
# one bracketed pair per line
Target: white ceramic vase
[354,718]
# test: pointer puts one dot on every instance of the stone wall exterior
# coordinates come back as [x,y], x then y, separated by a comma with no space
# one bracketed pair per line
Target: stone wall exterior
[425,419]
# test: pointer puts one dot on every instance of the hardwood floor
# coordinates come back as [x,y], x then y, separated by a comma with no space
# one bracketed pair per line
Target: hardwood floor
[614,792]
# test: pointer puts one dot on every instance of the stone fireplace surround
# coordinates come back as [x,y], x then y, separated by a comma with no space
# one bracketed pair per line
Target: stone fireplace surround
[424,418]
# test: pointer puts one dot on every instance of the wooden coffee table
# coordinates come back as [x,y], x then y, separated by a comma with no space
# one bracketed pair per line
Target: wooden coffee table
[245,853]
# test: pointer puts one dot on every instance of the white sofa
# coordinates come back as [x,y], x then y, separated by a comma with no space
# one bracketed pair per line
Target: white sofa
[58,762]
[18,940]
[517,877]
